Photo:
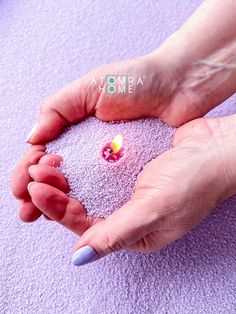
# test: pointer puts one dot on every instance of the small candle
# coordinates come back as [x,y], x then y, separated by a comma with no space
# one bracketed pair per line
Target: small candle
[113,151]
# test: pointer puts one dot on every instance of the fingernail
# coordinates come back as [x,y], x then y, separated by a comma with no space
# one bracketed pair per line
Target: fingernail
[30,170]
[84,255]
[30,185]
[31,133]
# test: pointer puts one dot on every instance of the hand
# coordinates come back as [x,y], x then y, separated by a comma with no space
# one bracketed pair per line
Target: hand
[182,80]
[74,102]
[173,194]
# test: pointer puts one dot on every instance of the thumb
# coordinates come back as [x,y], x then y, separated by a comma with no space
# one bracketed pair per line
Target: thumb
[66,106]
[122,229]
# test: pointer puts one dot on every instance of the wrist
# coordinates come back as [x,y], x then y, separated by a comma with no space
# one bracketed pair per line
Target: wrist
[220,144]
[205,77]
[227,148]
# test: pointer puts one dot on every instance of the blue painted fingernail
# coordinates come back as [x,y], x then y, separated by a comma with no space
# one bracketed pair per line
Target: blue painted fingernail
[84,255]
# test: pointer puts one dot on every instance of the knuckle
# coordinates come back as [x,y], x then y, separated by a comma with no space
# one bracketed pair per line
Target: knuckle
[15,193]
[45,104]
[34,158]
[114,243]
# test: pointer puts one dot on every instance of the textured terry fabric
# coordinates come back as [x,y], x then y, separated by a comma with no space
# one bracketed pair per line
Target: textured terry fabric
[100,185]
[44,45]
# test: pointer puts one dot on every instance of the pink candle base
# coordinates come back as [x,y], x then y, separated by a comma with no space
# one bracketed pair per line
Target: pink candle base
[109,155]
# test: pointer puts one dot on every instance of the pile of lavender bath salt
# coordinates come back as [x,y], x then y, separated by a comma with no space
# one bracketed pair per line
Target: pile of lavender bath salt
[99,185]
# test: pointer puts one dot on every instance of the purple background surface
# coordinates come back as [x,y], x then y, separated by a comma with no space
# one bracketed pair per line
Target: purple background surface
[43,45]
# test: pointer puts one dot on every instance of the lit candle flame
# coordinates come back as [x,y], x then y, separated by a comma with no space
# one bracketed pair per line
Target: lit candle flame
[117,143]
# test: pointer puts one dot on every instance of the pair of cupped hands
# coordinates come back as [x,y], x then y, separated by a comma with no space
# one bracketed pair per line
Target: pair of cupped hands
[173,193]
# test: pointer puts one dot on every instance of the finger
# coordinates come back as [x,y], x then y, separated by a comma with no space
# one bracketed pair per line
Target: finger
[120,230]
[51,160]
[61,109]
[59,207]
[51,176]
[21,177]
[28,212]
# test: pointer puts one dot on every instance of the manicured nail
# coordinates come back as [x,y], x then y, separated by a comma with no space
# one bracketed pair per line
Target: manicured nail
[84,255]
[30,185]
[31,133]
